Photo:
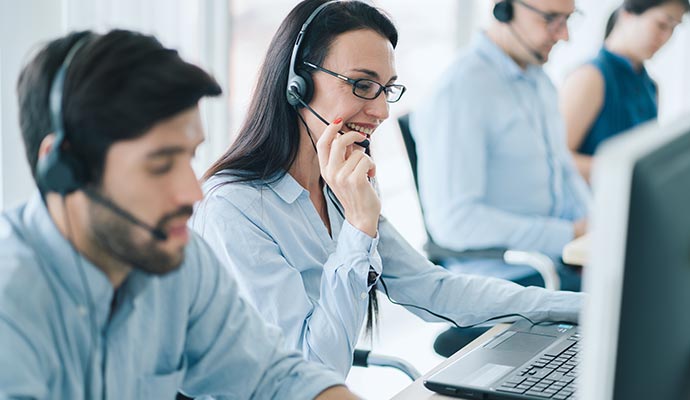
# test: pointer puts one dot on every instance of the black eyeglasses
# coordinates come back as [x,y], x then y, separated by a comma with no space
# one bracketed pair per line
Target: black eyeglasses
[554,21]
[366,88]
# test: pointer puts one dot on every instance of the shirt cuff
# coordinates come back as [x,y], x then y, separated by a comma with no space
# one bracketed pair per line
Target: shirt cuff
[566,306]
[353,242]
[356,240]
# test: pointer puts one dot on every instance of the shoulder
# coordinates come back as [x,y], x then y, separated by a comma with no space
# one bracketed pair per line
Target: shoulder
[587,81]
[20,263]
[202,274]
[223,191]
[27,299]
[471,73]
[464,88]
[200,262]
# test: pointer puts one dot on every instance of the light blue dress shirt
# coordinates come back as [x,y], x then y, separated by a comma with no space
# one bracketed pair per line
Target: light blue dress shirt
[494,168]
[187,330]
[314,285]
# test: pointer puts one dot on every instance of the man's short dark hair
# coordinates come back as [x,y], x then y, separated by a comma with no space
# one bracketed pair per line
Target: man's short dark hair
[117,87]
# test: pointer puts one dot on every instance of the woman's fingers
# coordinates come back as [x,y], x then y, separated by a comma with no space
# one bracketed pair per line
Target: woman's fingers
[325,143]
[364,168]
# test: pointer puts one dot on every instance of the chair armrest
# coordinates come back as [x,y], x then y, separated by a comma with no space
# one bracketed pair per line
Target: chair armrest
[540,262]
[364,358]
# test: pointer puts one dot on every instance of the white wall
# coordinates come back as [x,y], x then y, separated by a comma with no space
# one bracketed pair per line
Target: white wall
[199,29]
[23,24]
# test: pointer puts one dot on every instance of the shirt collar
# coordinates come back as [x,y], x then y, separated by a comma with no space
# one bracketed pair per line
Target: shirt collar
[287,188]
[506,65]
[62,261]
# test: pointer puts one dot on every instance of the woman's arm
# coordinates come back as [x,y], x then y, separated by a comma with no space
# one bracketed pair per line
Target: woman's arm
[466,299]
[581,101]
[325,324]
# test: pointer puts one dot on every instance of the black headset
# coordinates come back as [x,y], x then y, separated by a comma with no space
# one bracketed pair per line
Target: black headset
[61,170]
[300,85]
[503,11]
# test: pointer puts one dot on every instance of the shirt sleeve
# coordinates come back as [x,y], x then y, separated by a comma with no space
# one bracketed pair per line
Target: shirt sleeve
[577,194]
[324,328]
[232,353]
[27,360]
[466,299]
[21,373]
[452,134]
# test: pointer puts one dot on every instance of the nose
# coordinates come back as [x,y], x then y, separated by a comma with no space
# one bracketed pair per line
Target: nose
[188,190]
[562,31]
[378,108]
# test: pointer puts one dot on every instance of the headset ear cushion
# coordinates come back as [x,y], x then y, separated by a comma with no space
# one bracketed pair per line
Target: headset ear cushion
[308,84]
[60,172]
[503,11]
[295,87]
[303,85]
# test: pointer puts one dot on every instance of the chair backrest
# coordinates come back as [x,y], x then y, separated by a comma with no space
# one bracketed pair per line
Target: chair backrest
[410,146]
[435,252]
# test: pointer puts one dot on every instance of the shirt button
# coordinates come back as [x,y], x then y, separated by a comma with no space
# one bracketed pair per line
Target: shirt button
[82,311]
[363,295]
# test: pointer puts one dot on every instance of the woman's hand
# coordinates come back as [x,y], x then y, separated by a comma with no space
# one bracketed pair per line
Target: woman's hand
[347,169]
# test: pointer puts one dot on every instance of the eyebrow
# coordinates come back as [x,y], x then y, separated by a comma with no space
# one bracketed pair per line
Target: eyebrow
[372,74]
[166,152]
[170,151]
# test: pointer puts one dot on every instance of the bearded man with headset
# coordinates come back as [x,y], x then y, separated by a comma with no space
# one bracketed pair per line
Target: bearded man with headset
[104,293]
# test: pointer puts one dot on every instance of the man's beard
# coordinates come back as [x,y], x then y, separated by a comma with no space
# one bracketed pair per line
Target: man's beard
[124,241]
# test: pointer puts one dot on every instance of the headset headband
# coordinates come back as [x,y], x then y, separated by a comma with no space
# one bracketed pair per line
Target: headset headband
[296,85]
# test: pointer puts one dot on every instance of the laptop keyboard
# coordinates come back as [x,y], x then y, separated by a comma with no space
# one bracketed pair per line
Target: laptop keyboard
[551,376]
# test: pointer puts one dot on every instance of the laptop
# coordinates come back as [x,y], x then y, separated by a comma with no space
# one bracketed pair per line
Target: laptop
[526,361]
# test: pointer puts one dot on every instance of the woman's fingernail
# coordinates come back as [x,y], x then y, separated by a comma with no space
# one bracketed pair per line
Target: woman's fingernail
[338,120]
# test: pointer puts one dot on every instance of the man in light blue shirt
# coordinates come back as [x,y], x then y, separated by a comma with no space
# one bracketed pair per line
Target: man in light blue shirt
[494,169]
[104,294]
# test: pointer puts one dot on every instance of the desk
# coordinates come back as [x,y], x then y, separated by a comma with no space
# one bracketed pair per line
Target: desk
[417,391]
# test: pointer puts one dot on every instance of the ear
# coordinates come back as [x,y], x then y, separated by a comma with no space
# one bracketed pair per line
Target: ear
[625,14]
[46,145]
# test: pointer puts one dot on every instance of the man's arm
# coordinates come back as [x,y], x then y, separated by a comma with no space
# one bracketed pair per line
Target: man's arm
[232,352]
[21,373]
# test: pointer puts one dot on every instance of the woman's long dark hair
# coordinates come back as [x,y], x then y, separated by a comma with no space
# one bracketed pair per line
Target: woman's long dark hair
[267,143]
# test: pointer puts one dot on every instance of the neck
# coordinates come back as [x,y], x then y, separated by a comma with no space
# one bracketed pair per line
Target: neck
[616,43]
[500,34]
[70,216]
[306,169]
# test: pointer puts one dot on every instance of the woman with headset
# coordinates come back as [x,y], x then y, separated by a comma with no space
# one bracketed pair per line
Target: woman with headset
[292,209]
[613,92]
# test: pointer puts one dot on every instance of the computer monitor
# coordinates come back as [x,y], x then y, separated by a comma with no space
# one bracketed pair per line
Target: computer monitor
[636,323]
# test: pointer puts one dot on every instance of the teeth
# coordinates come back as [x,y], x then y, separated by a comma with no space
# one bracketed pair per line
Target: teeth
[367,131]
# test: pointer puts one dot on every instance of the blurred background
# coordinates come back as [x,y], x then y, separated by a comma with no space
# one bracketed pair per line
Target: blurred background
[229,38]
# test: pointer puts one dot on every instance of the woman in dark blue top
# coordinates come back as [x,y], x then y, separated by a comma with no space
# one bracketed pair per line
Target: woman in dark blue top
[613,92]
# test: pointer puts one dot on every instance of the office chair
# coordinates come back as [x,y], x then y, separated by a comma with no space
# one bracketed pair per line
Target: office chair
[365,358]
[452,340]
